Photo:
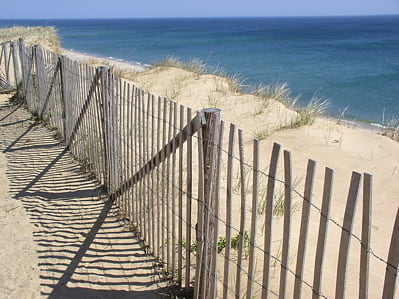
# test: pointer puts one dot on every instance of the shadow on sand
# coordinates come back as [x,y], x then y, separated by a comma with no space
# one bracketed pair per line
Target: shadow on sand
[84,251]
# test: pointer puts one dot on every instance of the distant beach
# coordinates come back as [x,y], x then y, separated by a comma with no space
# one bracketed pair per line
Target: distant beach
[352,61]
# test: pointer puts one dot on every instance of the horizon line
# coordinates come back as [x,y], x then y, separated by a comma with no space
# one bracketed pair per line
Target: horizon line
[203,17]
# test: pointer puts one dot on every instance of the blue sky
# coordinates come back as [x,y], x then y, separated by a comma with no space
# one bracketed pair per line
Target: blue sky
[186,8]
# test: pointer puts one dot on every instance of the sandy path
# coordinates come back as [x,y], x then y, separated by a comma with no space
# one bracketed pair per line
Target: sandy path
[59,238]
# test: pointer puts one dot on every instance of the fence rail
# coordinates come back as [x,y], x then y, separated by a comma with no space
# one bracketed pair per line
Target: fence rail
[180,186]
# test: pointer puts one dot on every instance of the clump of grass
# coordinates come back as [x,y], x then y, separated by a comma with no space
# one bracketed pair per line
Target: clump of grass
[236,83]
[316,107]
[261,134]
[195,65]
[278,91]
[279,200]
[213,101]
[391,128]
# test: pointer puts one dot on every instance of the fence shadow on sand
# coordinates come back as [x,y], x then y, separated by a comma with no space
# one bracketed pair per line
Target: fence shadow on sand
[83,250]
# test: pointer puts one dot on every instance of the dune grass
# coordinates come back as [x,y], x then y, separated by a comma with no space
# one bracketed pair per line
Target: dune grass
[316,107]
[44,36]
[391,128]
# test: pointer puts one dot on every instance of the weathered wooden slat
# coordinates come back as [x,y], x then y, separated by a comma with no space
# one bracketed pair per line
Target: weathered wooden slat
[24,65]
[136,132]
[168,240]
[391,273]
[346,235]
[180,200]
[7,57]
[16,61]
[173,195]
[229,194]
[40,77]
[215,249]
[287,223]
[242,232]
[130,124]
[141,161]
[189,194]
[303,234]
[148,156]
[163,180]
[321,239]
[268,218]
[199,289]
[153,181]
[144,193]
[157,163]
[366,235]
[254,214]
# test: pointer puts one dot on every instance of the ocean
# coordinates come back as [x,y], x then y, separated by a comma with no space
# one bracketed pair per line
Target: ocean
[351,61]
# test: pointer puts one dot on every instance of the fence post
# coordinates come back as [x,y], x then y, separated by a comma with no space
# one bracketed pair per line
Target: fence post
[22,59]
[6,46]
[16,61]
[107,93]
[40,78]
[61,61]
[211,126]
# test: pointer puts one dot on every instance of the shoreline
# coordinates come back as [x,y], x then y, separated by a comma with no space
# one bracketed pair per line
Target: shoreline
[121,64]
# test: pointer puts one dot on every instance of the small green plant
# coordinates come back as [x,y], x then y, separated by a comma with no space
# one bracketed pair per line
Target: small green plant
[261,134]
[221,244]
[193,247]
[235,242]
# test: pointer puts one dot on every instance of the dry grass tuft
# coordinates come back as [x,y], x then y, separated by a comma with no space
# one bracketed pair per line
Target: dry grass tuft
[278,91]
[316,107]
[391,128]
[195,65]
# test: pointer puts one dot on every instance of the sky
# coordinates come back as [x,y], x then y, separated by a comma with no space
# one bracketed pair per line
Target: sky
[38,9]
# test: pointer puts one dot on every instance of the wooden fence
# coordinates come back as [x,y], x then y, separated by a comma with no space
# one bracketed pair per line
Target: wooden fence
[181,187]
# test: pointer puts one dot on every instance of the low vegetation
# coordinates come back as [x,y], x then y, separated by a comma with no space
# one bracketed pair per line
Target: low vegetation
[44,36]
[391,128]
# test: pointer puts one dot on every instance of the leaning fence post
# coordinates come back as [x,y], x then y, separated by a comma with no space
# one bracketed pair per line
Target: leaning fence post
[22,59]
[7,62]
[16,61]
[211,126]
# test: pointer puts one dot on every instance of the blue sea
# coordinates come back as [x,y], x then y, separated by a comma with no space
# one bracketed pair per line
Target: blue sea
[352,61]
